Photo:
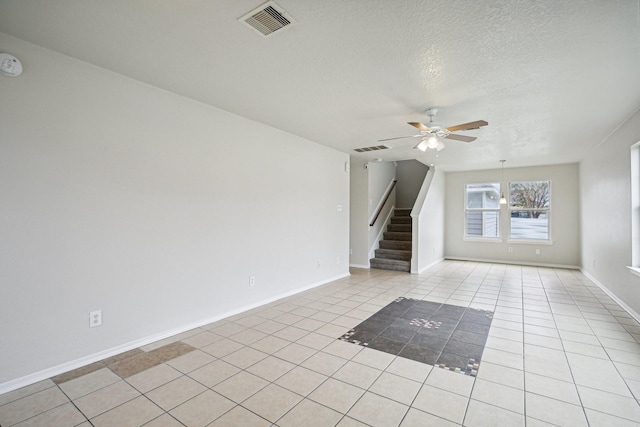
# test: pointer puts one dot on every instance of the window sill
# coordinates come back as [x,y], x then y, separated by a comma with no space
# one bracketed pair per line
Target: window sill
[531,242]
[483,239]
[634,270]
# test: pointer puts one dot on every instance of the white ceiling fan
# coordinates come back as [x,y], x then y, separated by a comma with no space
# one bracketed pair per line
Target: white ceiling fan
[433,134]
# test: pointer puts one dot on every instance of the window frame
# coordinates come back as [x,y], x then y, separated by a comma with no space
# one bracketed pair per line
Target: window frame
[635,209]
[497,210]
[510,209]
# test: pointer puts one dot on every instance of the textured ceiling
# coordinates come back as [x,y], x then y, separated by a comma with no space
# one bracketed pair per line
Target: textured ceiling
[552,78]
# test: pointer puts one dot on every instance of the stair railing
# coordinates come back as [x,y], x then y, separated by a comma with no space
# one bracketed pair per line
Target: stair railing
[393,185]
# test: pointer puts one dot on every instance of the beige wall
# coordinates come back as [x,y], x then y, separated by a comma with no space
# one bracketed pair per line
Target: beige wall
[605,194]
[152,207]
[565,229]
[359,214]
[410,175]
[428,222]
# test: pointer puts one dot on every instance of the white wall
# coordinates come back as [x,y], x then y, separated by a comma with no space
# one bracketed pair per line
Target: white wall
[410,175]
[359,214]
[156,209]
[605,196]
[428,222]
[565,227]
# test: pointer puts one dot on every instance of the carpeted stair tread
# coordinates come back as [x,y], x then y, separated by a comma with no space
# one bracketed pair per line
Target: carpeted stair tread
[402,255]
[402,212]
[406,228]
[401,220]
[397,235]
[395,244]
[391,264]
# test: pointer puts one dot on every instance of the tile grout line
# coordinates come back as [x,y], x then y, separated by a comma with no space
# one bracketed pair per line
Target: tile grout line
[597,337]
[575,385]
[559,289]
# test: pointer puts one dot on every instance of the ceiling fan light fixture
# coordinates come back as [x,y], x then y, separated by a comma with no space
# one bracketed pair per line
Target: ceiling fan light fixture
[432,142]
[432,136]
[422,145]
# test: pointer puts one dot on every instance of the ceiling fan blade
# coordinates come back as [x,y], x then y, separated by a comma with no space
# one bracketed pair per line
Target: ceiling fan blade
[467,126]
[419,126]
[399,137]
[463,138]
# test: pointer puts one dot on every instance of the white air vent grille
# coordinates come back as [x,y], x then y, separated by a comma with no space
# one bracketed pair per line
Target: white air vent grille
[267,19]
[373,148]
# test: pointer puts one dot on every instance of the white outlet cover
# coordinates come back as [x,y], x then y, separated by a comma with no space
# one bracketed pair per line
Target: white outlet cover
[95,318]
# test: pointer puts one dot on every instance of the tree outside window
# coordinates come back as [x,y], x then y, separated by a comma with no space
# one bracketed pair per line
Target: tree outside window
[530,209]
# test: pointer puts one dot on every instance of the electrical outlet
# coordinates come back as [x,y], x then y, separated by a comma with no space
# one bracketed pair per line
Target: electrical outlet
[350,251]
[318,264]
[252,281]
[95,318]
[339,208]
[510,250]
[537,251]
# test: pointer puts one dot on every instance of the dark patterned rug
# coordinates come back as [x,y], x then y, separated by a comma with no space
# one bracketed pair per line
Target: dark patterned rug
[443,335]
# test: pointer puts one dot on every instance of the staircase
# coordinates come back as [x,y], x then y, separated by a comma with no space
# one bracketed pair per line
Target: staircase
[395,248]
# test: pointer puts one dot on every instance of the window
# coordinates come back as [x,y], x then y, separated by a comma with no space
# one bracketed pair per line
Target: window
[529,210]
[482,206]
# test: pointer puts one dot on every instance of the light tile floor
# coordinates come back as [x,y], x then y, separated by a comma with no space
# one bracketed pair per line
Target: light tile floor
[559,352]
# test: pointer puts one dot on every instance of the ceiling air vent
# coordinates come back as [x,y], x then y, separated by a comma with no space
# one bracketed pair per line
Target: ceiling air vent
[267,19]
[373,148]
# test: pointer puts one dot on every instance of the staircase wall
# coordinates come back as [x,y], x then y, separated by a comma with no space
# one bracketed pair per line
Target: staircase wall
[410,175]
[429,222]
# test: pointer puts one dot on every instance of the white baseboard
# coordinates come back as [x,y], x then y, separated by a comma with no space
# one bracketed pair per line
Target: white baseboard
[96,357]
[532,264]
[613,296]
[422,270]
[359,265]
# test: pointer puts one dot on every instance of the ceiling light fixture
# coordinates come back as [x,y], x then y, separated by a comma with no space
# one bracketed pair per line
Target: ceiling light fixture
[422,145]
[503,200]
[432,142]
[10,65]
